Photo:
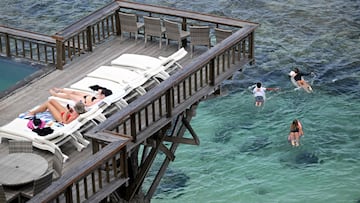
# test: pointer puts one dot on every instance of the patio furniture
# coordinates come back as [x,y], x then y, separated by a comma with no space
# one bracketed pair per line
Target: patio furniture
[39,185]
[174,32]
[57,164]
[8,195]
[20,146]
[153,27]
[128,23]
[221,34]
[21,168]
[199,35]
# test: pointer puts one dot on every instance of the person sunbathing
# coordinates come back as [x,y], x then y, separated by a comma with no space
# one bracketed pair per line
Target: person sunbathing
[60,113]
[78,96]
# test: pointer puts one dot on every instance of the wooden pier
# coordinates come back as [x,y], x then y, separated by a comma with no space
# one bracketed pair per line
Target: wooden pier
[124,147]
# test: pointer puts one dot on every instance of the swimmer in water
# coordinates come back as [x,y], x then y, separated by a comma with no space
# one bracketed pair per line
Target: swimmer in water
[259,94]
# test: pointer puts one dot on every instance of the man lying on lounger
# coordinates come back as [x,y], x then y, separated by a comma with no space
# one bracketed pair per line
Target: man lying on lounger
[78,96]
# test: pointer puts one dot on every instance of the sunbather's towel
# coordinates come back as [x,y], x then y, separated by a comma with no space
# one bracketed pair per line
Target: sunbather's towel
[45,116]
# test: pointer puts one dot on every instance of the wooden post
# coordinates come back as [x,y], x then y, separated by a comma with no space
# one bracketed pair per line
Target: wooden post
[252,47]
[89,38]
[117,23]
[59,54]
[184,27]
[7,43]
[212,73]
[168,103]
[133,127]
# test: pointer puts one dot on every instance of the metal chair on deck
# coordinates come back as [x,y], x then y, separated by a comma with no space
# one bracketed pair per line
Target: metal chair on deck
[199,35]
[174,32]
[57,164]
[39,185]
[153,27]
[20,146]
[7,196]
[221,34]
[128,23]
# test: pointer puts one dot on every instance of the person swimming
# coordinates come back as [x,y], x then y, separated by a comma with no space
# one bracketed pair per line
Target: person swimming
[299,79]
[296,132]
[259,93]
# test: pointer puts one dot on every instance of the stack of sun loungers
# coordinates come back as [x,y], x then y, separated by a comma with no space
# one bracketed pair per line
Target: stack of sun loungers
[128,73]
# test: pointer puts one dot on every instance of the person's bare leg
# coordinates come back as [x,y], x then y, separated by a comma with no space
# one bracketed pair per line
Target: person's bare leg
[42,108]
[65,95]
[56,109]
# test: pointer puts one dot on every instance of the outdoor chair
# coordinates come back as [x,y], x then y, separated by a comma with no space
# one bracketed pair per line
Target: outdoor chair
[57,164]
[153,27]
[128,23]
[20,146]
[39,185]
[199,35]
[8,195]
[174,32]
[221,34]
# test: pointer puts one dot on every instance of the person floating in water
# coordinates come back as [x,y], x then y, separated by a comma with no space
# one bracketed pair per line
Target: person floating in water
[259,93]
[296,132]
[297,76]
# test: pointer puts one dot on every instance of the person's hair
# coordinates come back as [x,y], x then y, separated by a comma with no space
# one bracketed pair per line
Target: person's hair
[258,85]
[79,107]
[296,70]
[294,124]
[105,91]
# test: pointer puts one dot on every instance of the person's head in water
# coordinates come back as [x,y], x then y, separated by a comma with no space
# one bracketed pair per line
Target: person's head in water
[258,85]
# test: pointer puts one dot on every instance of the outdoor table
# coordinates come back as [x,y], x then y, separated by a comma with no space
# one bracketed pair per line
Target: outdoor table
[21,168]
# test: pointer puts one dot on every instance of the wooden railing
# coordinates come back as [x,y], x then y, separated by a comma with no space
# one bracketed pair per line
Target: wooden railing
[107,168]
[82,36]
[28,45]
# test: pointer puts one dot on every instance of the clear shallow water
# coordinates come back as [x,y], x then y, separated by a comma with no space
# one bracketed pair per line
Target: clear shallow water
[12,72]
[244,155]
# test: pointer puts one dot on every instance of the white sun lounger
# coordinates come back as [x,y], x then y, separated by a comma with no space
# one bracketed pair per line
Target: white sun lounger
[157,67]
[18,130]
[133,80]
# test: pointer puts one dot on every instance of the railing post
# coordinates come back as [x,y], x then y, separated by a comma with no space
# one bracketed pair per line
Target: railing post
[117,23]
[252,47]
[89,38]
[133,126]
[184,27]
[168,103]
[212,72]
[60,56]
[7,45]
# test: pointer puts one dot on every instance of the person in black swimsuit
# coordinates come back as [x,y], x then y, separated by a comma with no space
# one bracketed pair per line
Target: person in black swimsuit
[295,132]
[78,96]
[300,81]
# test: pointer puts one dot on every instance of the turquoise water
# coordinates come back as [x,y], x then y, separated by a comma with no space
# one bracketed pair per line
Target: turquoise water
[13,72]
[244,155]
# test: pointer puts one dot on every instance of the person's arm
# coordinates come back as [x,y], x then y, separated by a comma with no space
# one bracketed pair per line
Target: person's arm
[272,89]
[301,132]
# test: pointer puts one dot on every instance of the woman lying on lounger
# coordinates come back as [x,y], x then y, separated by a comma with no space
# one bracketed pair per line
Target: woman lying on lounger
[78,96]
[60,113]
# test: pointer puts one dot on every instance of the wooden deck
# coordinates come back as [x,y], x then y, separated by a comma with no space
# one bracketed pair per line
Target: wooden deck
[36,92]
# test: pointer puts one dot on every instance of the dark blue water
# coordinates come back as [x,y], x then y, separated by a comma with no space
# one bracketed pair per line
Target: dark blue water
[244,155]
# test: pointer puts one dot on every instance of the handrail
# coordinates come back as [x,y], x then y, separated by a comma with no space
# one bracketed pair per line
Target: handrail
[86,21]
[26,34]
[186,14]
[84,169]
